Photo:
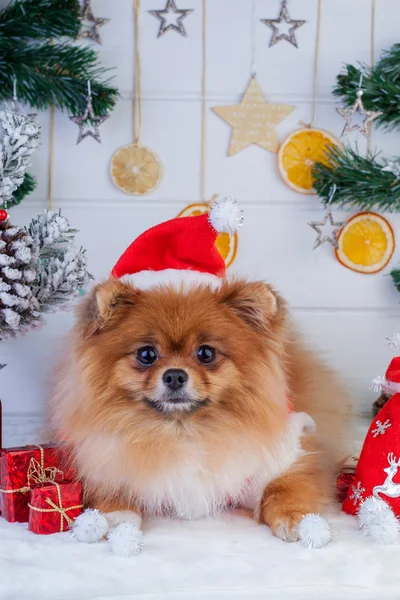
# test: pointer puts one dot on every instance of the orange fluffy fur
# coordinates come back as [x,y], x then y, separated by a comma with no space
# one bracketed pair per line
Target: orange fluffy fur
[132,457]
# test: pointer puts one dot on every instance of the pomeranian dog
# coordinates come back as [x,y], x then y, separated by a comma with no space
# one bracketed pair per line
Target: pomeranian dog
[178,400]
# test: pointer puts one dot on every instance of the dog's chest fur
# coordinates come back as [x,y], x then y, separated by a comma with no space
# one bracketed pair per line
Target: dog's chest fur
[199,478]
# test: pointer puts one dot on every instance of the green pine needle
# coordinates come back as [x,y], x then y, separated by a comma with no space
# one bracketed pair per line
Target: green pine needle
[381,87]
[26,187]
[50,73]
[396,278]
[360,181]
[40,19]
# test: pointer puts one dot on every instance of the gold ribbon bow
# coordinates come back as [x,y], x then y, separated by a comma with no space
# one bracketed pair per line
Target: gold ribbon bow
[37,473]
[60,508]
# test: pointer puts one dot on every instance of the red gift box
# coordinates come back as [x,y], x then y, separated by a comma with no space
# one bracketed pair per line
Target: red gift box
[20,469]
[54,506]
[346,478]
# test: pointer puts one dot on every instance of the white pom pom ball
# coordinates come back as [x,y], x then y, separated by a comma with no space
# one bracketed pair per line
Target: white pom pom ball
[90,526]
[125,539]
[377,520]
[226,216]
[314,531]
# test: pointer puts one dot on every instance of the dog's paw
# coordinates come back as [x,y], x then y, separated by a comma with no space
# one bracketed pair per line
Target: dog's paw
[91,526]
[125,539]
[286,527]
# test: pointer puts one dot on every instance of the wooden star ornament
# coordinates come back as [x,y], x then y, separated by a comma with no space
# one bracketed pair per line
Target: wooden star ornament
[254,120]
[90,24]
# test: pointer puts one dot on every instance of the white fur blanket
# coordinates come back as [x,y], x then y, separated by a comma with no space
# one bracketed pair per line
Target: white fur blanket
[223,559]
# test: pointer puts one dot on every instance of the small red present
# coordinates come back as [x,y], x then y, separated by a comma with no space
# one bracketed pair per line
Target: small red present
[346,478]
[20,469]
[54,506]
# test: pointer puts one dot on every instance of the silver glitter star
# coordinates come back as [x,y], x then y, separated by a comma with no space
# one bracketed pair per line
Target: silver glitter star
[358,107]
[165,17]
[392,166]
[273,23]
[87,120]
[327,230]
[90,24]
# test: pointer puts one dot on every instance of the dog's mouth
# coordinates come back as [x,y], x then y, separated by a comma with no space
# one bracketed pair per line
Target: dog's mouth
[178,403]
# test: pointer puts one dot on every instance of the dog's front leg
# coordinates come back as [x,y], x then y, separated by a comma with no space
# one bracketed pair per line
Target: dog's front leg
[306,487]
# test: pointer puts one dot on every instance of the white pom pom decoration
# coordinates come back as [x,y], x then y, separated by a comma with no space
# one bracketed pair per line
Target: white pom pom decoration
[314,531]
[377,520]
[226,215]
[126,539]
[91,526]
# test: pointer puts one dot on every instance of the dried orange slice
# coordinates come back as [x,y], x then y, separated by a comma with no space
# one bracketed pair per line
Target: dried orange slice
[135,169]
[365,243]
[226,244]
[298,153]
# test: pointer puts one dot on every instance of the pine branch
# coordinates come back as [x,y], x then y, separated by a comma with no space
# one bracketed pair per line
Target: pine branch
[55,74]
[40,19]
[26,188]
[396,278]
[381,87]
[360,181]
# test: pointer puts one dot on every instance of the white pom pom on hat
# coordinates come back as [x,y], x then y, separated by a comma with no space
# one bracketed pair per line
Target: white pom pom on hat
[182,250]
[226,216]
[377,520]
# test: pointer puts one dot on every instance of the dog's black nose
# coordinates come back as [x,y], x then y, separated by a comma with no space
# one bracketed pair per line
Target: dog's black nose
[175,379]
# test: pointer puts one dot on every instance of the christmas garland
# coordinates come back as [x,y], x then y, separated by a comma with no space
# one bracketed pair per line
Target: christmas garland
[361,181]
[380,85]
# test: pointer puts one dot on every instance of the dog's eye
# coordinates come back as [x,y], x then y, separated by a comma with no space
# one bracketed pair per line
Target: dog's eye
[146,356]
[205,355]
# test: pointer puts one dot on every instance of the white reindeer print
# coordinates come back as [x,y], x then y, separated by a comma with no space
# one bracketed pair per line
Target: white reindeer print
[389,488]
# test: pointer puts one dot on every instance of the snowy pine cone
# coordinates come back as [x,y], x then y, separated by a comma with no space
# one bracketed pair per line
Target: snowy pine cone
[19,309]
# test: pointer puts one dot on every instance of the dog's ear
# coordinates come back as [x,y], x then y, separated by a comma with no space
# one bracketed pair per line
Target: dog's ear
[256,303]
[103,302]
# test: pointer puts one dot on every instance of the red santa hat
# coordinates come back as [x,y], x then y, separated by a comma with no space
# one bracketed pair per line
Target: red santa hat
[374,495]
[391,382]
[180,251]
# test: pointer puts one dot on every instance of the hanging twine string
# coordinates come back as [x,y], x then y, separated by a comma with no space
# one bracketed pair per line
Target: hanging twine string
[137,91]
[51,157]
[253,67]
[372,61]
[204,106]
[51,153]
[316,60]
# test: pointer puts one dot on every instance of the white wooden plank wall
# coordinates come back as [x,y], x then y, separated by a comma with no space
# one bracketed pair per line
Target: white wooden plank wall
[344,314]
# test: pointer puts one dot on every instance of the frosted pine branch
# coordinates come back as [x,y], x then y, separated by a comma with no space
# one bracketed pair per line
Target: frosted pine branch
[19,137]
[40,271]
[49,228]
[61,279]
